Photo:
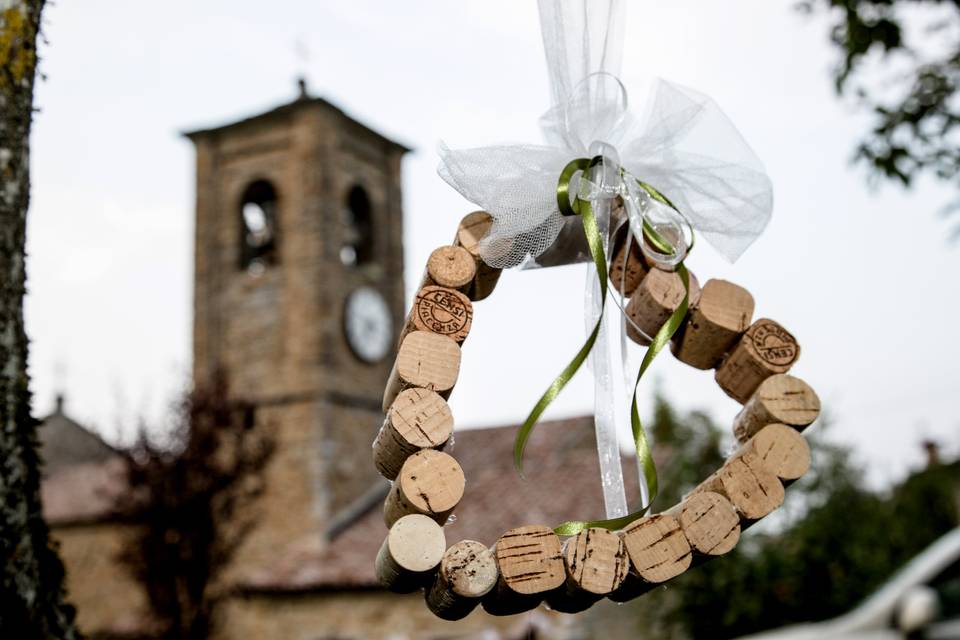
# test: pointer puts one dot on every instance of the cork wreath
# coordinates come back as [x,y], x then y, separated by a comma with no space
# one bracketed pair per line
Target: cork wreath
[530,564]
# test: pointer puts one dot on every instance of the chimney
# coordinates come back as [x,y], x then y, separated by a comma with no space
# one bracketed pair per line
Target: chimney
[59,404]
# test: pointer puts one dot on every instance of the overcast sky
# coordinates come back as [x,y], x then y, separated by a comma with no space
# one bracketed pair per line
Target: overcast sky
[865,280]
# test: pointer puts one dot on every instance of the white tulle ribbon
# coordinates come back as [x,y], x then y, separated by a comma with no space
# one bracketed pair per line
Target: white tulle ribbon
[683,145]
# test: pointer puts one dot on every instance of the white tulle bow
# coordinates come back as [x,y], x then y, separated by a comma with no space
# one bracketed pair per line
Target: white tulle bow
[684,146]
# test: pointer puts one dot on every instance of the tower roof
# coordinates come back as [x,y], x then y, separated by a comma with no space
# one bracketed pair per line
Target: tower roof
[303,101]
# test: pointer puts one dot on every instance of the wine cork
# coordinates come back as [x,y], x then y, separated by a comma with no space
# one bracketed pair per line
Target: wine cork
[451,267]
[627,264]
[764,350]
[749,486]
[658,551]
[417,419]
[440,310]
[781,399]
[709,522]
[719,318]
[596,564]
[467,572]
[531,564]
[657,548]
[530,560]
[781,450]
[410,553]
[654,301]
[427,360]
[429,483]
[471,231]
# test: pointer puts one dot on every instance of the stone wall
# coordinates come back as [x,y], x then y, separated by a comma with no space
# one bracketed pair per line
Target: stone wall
[108,600]
[293,503]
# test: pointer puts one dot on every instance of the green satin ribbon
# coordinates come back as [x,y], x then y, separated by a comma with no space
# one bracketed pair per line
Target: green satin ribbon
[584,209]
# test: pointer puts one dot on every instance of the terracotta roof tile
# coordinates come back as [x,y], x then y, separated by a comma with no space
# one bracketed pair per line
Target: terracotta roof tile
[84,492]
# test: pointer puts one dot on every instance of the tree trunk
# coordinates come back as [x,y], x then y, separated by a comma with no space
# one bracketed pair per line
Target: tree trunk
[31,584]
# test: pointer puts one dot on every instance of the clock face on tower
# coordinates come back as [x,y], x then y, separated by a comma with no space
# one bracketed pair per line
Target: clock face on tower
[367,324]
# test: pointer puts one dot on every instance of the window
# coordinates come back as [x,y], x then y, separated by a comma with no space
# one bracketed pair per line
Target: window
[258,227]
[358,247]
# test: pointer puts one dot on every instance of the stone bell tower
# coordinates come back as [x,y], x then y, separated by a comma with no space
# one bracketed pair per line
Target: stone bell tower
[298,297]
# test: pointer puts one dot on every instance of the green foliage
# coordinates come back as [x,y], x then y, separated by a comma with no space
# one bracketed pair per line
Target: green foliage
[845,541]
[901,60]
[690,445]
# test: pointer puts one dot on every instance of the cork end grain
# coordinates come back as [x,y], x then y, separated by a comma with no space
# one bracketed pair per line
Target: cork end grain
[422,418]
[710,523]
[726,305]
[657,547]
[467,572]
[782,399]
[417,419]
[410,554]
[596,561]
[443,311]
[432,481]
[416,543]
[452,267]
[429,360]
[782,451]
[752,489]
[789,400]
[470,569]
[530,560]
[764,350]
[775,345]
